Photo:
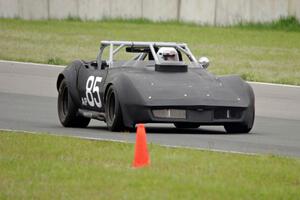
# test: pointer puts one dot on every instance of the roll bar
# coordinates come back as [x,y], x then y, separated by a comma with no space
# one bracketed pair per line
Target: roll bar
[120,44]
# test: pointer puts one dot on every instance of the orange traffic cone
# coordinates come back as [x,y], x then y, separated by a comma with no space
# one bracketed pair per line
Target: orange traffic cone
[141,155]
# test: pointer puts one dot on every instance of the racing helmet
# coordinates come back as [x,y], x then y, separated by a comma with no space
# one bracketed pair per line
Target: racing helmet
[167,54]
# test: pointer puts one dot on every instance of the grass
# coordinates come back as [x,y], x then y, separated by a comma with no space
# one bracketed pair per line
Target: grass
[284,24]
[257,52]
[54,167]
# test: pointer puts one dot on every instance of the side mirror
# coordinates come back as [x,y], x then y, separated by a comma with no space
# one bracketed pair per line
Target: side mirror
[204,62]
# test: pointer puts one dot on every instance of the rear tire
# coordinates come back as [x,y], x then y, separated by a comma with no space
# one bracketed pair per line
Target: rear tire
[186,125]
[67,110]
[113,112]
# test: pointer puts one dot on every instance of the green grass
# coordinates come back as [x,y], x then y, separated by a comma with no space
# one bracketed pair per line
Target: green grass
[284,24]
[52,167]
[257,52]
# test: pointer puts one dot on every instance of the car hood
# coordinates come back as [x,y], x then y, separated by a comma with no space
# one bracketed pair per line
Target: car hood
[196,87]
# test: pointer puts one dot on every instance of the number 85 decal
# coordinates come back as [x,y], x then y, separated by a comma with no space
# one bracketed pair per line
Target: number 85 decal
[93,89]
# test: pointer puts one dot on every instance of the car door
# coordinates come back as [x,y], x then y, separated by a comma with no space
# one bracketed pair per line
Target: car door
[90,83]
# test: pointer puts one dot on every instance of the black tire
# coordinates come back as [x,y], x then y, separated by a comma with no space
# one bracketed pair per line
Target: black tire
[244,127]
[237,128]
[67,110]
[247,124]
[113,112]
[186,125]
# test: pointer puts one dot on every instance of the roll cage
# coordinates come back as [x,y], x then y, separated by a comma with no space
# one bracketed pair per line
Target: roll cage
[116,46]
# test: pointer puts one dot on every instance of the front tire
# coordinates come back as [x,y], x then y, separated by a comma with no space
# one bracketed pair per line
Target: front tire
[247,124]
[113,112]
[237,128]
[244,127]
[67,110]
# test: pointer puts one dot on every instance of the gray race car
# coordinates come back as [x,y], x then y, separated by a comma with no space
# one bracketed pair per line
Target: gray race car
[159,83]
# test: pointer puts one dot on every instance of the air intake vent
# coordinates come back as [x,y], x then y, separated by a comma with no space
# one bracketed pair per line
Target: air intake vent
[169,113]
[171,67]
[228,113]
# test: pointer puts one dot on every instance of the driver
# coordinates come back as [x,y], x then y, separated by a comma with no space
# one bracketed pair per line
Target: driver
[167,54]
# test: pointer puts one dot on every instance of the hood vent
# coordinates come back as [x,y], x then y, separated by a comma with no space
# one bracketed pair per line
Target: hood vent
[171,67]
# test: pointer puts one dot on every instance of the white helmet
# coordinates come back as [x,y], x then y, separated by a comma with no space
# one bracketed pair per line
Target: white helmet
[167,54]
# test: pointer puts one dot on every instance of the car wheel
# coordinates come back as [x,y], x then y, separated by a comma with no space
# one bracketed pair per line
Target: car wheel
[244,127]
[186,125]
[237,128]
[113,112]
[67,110]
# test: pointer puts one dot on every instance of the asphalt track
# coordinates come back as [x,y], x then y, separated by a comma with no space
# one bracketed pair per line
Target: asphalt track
[28,102]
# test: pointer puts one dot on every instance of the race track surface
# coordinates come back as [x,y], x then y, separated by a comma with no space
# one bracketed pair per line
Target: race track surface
[28,102]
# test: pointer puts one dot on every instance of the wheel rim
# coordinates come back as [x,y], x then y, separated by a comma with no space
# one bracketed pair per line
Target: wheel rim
[111,106]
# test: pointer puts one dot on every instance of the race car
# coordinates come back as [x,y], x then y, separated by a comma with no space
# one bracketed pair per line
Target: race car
[152,82]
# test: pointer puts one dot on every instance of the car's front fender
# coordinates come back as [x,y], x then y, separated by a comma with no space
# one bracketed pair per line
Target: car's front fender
[70,74]
[240,86]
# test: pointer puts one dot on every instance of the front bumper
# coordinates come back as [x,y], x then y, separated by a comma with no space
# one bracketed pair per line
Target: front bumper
[204,115]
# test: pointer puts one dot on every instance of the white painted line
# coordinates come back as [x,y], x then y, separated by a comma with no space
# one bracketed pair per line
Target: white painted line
[47,65]
[63,135]
[30,63]
[274,84]
[213,150]
[16,130]
[127,142]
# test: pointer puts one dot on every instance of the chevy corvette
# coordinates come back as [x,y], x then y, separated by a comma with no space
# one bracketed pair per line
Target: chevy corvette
[158,82]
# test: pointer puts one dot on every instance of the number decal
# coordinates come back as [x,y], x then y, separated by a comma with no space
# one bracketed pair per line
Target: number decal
[88,92]
[96,90]
[91,89]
